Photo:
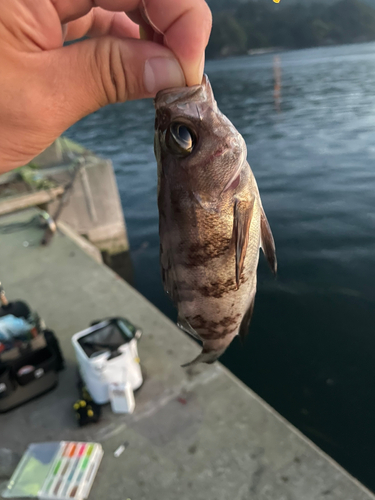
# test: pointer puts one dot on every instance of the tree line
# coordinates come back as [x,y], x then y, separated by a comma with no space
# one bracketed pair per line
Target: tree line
[242,26]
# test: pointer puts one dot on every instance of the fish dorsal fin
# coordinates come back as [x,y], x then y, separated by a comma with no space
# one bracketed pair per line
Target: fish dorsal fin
[186,327]
[245,323]
[267,242]
[243,211]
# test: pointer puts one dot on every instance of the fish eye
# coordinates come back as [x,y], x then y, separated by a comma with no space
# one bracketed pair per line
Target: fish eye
[180,139]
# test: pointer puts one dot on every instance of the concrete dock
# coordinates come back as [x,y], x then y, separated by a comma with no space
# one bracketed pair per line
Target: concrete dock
[195,434]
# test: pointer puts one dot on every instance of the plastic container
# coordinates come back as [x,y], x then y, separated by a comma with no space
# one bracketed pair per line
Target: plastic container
[48,471]
[107,354]
[121,397]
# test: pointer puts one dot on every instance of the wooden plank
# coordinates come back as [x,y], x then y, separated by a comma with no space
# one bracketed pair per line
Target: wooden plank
[15,203]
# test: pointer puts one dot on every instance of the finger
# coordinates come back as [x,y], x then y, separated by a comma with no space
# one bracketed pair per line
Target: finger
[186,25]
[100,22]
[69,10]
[186,33]
[95,72]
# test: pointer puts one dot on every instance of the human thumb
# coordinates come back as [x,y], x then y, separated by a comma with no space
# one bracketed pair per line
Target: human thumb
[93,73]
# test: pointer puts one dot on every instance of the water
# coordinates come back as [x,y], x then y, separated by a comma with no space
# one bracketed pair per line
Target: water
[311,348]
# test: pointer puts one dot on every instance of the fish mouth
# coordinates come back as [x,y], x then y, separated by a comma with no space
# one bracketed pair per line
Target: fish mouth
[219,152]
[173,95]
[199,93]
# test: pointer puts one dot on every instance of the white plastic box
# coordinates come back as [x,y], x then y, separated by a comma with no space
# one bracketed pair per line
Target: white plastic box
[102,369]
[122,398]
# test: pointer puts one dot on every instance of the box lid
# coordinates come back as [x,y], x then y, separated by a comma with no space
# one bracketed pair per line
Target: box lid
[32,471]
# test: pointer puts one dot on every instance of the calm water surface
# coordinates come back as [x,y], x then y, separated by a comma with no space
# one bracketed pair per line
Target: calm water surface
[311,348]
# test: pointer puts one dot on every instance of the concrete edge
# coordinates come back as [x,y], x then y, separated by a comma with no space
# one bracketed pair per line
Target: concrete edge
[244,387]
[80,241]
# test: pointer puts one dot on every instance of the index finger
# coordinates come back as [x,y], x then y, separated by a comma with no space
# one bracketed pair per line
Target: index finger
[185,24]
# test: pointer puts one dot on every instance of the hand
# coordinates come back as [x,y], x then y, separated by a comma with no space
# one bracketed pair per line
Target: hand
[46,87]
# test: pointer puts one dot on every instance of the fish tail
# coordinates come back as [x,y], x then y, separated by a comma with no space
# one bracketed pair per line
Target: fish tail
[204,357]
[208,355]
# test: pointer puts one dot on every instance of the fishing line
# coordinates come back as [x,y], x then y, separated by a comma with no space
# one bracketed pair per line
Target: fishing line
[148,19]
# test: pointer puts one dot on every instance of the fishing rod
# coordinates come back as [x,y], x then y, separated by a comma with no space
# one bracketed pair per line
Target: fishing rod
[52,221]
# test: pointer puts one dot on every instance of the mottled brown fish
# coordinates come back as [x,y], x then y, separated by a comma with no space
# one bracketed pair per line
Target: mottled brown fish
[211,218]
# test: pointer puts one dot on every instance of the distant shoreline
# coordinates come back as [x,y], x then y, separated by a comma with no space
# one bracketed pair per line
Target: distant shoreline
[278,50]
[254,27]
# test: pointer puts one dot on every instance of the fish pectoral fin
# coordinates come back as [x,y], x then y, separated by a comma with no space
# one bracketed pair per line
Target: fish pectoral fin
[186,327]
[267,242]
[243,212]
[168,275]
[245,323]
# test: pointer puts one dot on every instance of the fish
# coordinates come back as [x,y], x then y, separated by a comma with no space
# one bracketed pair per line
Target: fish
[211,219]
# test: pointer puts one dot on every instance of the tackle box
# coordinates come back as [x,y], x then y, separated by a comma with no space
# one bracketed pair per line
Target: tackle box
[58,470]
[29,371]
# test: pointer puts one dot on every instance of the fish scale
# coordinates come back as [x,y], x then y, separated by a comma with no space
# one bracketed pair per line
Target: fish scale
[211,219]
